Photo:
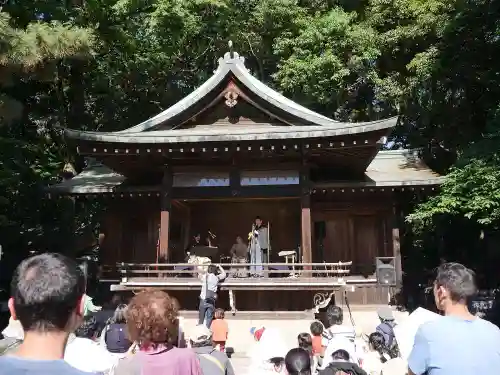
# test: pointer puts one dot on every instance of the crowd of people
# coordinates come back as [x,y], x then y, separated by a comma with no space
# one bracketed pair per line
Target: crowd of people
[51,331]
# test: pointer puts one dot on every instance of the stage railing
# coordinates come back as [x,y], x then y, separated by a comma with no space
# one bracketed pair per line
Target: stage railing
[126,271]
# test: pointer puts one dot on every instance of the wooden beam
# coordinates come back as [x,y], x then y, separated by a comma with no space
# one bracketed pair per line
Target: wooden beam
[166,208]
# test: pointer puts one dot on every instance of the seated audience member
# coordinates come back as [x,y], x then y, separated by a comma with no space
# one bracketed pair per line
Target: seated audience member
[317,332]
[386,327]
[115,337]
[220,329]
[395,366]
[268,354]
[82,346]
[339,336]
[458,342]
[378,354]
[152,322]
[212,361]
[342,364]
[305,342]
[107,312]
[298,362]
[47,298]
[239,255]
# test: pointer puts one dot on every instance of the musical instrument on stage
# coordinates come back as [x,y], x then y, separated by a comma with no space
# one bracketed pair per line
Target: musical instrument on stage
[204,251]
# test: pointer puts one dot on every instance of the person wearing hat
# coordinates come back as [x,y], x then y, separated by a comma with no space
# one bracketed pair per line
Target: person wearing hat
[212,361]
[386,326]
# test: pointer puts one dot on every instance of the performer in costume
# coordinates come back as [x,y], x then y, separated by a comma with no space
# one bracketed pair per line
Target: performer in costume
[195,241]
[239,253]
[263,238]
[256,268]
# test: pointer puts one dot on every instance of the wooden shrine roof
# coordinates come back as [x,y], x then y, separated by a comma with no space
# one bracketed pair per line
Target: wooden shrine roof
[257,133]
[231,84]
[393,168]
[389,168]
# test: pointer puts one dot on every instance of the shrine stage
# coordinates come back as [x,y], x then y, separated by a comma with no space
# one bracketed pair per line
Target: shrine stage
[297,287]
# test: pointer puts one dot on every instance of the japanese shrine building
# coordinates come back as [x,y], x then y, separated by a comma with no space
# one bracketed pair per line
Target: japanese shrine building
[235,149]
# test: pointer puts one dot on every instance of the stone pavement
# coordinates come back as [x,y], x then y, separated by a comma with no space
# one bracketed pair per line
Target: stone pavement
[241,365]
[241,340]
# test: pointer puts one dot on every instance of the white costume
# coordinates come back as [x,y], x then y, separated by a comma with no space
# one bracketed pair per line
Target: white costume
[256,267]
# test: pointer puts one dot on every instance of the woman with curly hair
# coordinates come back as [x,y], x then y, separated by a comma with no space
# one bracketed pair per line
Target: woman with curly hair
[153,325]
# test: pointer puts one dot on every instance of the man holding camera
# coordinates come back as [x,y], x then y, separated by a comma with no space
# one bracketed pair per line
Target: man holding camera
[208,295]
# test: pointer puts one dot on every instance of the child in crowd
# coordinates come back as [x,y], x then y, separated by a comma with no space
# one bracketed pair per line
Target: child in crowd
[317,333]
[220,329]
[342,364]
[305,342]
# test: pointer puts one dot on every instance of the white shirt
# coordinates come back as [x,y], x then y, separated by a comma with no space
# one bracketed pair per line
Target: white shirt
[372,363]
[86,355]
[342,337]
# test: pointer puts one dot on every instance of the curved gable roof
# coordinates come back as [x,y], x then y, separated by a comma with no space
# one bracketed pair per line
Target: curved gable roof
[232,65]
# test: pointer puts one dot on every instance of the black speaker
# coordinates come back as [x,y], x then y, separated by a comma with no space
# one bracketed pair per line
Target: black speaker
[386,271]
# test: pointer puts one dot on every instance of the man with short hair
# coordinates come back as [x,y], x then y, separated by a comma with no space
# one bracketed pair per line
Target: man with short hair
[337,336]
[458,342]
[212,361]
[47,298]
[208,294]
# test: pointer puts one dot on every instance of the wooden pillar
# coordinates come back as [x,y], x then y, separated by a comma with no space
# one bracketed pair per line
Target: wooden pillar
[306,243]
[396,245]
[166,208]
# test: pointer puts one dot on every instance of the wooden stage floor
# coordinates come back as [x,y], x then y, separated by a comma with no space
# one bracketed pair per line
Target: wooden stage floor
[263,283]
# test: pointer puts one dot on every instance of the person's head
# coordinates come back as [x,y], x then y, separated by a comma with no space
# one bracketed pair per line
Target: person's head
[112,302]
[385,314]
[316,328]
[201,337]
[376,342]
[258,221]
[304,341]
[239,240]
[212,268]
[298,362]
[340,355]
[454,284]
[197,237]
[278,364]
[88,328]
[48,294]
[334,315]
[219,314]
[119,316]
[152,318]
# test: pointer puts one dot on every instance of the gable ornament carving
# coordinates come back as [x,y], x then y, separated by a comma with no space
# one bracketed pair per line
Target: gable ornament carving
[231,98]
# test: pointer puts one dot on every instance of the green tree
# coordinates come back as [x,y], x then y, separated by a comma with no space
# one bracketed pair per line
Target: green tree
[31,106]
